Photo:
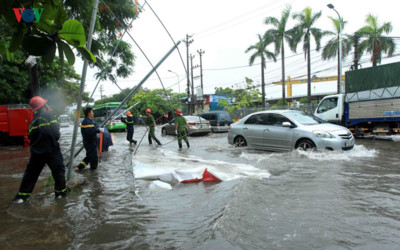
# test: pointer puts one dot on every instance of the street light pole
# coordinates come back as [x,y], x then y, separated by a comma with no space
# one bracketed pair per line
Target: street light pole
[339,87]
[179,87]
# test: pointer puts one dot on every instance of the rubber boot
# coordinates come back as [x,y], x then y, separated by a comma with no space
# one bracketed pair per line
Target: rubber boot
[158,142]
[187,143]
[20,198]
[180,145]
[81,166]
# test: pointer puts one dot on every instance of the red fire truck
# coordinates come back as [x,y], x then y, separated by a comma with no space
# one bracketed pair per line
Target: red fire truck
[14,123]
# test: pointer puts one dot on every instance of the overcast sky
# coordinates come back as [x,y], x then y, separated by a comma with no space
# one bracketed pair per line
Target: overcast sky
[224,29]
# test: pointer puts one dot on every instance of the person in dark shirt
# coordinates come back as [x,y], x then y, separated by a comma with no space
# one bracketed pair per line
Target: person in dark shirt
[44,133]
[129,127]
[89,130]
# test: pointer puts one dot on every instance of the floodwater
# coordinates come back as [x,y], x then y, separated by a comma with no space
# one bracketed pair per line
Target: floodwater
[296,200]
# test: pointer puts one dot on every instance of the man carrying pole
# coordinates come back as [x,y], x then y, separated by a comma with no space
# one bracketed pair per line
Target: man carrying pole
[89,130]
[151,124]
[180,128]
[129,127]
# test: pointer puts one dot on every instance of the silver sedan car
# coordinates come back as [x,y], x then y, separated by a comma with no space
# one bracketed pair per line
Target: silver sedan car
[197,125]
[284,130]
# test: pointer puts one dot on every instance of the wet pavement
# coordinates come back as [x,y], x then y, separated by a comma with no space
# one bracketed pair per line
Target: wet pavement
[295,200]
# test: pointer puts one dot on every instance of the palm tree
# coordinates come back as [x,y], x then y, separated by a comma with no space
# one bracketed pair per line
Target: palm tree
[280,34]
[303,31]
[376,43]
[261,51]
[331,49]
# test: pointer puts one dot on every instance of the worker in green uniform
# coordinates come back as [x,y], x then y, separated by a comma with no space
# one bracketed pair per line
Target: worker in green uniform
[180,128]
[152,124]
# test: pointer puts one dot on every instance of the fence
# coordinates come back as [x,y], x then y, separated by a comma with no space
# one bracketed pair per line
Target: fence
[238,114]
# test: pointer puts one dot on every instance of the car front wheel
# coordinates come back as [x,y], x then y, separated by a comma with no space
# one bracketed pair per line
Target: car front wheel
[306,145]
[240,142]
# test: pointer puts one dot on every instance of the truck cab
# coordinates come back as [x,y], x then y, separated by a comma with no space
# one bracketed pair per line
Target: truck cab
[331,109]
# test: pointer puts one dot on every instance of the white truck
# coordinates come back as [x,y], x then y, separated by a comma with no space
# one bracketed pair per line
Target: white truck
[371,103]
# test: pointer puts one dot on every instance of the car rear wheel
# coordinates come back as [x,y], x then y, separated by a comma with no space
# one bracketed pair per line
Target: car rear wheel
[306,145]
[163,132]
[240,142]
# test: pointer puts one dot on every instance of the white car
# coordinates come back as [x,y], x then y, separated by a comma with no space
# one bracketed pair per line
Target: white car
[285,130]
[64,120]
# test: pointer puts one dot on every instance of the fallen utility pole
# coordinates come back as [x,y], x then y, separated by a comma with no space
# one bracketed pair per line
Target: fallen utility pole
[123,112]
[126,99]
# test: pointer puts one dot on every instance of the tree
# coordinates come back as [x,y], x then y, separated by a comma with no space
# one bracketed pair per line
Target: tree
[376,43]
[331,49]
[261,51]
[280,34]
[158,100]
[246,97]
[114,57]
[64,24]
[223,91]
[60,93]
[303,31]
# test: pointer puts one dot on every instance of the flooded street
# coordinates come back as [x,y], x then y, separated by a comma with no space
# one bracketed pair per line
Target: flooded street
[296,200]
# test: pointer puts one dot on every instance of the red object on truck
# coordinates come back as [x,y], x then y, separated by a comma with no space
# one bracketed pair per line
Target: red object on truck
[14,122]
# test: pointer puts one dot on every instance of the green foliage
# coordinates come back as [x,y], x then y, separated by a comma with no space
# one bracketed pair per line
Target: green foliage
[157,100]
[376,42]
[246,97]
[13,82]
[304,100]
[62,24]
[223,91]
[41,38]
[282,103]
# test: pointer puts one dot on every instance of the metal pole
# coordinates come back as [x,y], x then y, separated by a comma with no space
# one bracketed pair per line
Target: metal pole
[82,87]
[192,99]
[179,87]
[201,52]
[339,87]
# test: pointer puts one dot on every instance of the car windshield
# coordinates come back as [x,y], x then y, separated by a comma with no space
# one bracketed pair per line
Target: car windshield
[195,119]
[304,118]
[64,119]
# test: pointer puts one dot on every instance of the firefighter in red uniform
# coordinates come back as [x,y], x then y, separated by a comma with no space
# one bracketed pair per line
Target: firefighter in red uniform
[89,130]
[44,133]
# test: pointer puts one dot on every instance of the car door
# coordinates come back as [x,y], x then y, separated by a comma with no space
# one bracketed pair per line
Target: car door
[253,131]
[277,137]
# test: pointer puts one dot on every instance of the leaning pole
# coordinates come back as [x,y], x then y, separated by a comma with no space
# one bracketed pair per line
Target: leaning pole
[82,87]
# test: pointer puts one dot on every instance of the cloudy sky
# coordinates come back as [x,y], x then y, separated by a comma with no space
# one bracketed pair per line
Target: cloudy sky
[224,29]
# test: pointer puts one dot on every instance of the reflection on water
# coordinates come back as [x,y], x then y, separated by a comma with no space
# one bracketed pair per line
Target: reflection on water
[295,200]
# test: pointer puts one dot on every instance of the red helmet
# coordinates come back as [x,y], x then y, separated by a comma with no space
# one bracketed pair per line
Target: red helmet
[178,112]
[37,102]
[128,113]
[148,110]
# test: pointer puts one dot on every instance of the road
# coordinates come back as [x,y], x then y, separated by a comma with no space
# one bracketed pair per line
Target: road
[295,200]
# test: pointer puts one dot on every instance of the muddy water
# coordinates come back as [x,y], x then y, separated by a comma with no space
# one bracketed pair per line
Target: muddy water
[266,200]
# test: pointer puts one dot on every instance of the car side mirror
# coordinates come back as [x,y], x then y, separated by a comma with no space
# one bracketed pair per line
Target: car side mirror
[286,124]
